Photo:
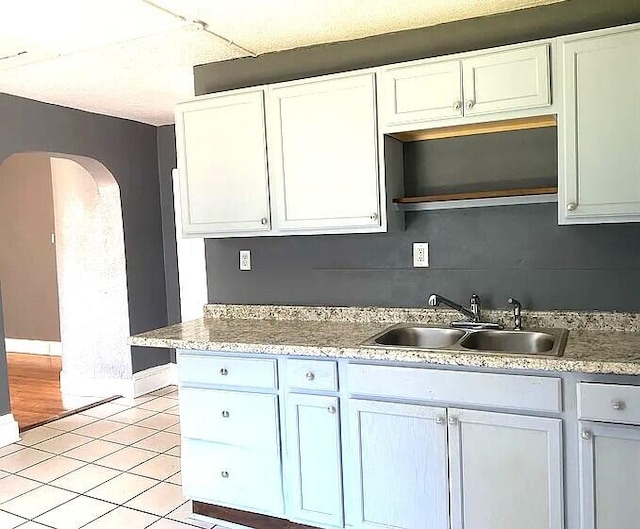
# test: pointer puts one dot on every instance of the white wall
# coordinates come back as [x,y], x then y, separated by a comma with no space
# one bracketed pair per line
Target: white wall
[92,284]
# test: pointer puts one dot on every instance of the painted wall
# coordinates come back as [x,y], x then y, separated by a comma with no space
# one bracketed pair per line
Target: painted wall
[4,387]
[27,256]
[94,320]
[496,252]
[129,151]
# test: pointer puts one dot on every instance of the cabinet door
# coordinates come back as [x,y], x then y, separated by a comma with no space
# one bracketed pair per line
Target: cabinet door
[400,456]
[508,80]
[223,168]
[610,476]
[422,92]
[323,153]
[506,471]
[313,452]
[600,133]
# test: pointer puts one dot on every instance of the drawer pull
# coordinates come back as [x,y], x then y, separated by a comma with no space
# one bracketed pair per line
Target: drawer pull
[225,414]
[224,372]
[224,474]
[331,409]
[310,375]
[586,435]
[618,405]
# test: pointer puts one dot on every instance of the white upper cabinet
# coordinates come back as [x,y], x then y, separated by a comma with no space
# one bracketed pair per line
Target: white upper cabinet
[423,92]
[599,133]
[428,91]
[508,80]
[222,161]
[323,154]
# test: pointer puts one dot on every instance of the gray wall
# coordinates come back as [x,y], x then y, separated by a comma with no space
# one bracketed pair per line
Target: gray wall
[130,151]
[497,252]
[27,257]
[4,386]
[517,26]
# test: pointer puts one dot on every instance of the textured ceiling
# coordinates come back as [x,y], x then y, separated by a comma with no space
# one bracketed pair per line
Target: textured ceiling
[134,58]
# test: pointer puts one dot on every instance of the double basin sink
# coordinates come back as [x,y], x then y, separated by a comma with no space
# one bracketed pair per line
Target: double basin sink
[547,342]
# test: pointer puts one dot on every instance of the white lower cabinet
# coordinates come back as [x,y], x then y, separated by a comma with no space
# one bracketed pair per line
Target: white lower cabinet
[399,452]
[610,476]
[313,440]
[232,476]
[482,471]
[506,471]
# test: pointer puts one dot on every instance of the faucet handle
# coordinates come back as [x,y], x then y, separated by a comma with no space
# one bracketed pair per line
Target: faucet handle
[517,313]
[476,307]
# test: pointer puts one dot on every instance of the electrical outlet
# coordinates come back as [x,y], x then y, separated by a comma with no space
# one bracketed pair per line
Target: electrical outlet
[245,259]
[420,254]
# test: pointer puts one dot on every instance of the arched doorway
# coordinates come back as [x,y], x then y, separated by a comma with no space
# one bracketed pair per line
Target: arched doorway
[91,277]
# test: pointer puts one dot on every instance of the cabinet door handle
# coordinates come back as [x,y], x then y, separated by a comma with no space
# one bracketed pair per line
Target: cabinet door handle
[310,375]
[264,221]
[453,421]
[331,410]
[571,206]
[457,105]
[440,420]
[373,216]
[225,414]
[585,434]
[470,104]
[618,405]
[224,474]
[224,372]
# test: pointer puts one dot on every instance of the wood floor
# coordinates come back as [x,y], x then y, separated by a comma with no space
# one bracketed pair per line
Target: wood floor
[34,385]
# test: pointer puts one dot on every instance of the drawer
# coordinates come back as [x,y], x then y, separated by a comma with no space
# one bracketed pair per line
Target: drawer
[312,374]
[227,475]
[609,403]
[225,370]
[520,392]
[230,417]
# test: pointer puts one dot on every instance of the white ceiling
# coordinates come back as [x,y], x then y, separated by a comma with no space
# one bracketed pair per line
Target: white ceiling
[134,58]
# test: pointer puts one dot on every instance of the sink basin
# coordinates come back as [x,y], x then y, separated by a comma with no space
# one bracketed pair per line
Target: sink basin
[418,336]
[529,342]
[548,342]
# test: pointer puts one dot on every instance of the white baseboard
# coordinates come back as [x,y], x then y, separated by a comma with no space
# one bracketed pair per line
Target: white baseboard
[8,430]
[38,347]
[84,386]
[141,383]
[154,378]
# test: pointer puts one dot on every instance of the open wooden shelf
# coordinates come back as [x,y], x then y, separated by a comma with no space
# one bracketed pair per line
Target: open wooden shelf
[506,197]
[533,122]
[479,194]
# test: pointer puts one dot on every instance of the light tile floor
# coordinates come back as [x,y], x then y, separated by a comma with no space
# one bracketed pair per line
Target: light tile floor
[114,466]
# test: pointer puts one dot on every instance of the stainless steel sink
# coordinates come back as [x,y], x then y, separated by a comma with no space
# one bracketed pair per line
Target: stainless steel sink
[529,342]
[419,336]
[548,342]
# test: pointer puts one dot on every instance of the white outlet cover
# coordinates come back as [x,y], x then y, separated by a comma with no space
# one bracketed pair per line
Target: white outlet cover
[420,254]
[245,260]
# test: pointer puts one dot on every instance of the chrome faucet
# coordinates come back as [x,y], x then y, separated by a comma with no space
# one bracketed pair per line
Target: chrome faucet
[517,314]
[472,314]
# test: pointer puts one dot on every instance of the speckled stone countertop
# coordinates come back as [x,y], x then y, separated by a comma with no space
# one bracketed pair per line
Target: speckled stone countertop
[600,343]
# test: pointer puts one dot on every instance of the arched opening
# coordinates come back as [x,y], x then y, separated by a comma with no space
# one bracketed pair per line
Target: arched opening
[90,280]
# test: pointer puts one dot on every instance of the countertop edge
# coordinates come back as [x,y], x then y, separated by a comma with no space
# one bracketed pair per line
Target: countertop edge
[418,356]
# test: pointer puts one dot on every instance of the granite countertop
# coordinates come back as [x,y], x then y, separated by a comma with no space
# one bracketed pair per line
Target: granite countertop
[587,351]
